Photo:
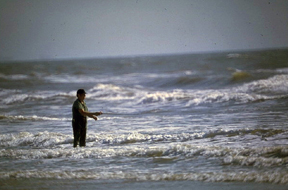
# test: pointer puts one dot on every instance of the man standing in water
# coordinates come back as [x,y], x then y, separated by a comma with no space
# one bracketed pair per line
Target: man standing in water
[79,122]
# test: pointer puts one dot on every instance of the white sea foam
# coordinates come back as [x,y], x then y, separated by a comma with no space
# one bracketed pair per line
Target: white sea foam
[47,145]
[20,97]
[265,89]
[53,139]
[256,157]
[68,79]
[159,96]
[282,70]
[33,118]
[42,139]
[259,177]
[253,91]
[4,92]
[277,84]
[14,77]
[111,92]
[225,95]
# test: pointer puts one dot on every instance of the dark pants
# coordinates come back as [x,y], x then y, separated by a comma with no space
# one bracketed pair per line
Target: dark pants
[79,132]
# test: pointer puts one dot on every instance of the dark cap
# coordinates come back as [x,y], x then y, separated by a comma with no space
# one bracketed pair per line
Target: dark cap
[81,91]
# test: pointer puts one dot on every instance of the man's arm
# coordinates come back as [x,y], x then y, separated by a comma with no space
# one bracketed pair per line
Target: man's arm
[90,114]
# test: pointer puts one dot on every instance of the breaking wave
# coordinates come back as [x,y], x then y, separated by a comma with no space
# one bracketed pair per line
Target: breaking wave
[50,139]
[32,118]
[16,77]
[275,87]
[263,177]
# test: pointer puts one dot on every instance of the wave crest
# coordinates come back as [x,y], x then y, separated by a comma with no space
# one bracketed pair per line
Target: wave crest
[32,118]
[262,177]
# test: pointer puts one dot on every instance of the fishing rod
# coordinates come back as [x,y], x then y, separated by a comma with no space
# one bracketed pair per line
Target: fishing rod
[111,113]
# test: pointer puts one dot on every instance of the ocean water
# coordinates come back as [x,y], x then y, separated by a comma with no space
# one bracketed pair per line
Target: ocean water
[201,120]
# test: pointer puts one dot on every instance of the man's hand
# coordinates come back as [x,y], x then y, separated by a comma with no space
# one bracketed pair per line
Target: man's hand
[98,113]
[90,114]
[94,117]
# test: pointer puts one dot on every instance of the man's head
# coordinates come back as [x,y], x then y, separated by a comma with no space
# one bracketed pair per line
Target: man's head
[81,91]
[81,94]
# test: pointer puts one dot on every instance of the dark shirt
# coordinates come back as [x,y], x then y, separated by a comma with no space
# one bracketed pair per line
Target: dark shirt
[77,116]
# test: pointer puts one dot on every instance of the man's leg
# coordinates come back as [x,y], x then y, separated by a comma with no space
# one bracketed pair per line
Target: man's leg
[76,134]
[83,136]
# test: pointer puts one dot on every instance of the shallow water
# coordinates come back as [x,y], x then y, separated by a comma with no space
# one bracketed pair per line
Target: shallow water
[193,118]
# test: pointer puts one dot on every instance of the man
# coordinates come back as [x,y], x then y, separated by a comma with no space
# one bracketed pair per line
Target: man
[79,122]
